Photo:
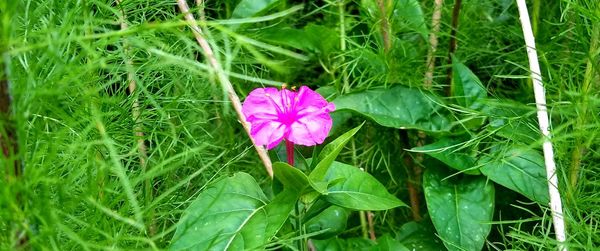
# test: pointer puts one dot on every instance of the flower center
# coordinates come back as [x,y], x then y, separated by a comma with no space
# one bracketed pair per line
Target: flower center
[288,115]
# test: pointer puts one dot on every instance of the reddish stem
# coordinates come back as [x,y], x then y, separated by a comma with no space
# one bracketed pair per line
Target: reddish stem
[289,149]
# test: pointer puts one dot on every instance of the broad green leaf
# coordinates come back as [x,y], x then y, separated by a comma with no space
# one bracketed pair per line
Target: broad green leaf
[399,107]
[419,236]
[250,8]
[317,39]
[355,189]
[228,215]
[290,177]
[323,39]
[295,180]
[330,222]
[445,150]
[337,244]
[387,243]
[408,14]
[278,210]
[329,153]
[466,87]
[286,36]
[512,120]
[461,208]
[518,169]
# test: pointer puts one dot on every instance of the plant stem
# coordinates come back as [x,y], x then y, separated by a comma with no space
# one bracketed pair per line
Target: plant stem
[371,226]
[302,242]
[385,25]
[452,45]
[433,43]
[414,177]
[363,224]
[341,13]
[544,123]
[588,79]
[139,134]
[289,150]
[9,146]
[535,16]
[8,134]
[225,83]
[201,13]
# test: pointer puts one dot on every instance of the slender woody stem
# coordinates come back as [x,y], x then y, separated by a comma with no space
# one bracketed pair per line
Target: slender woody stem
[139,134]
[542,114]
[433,43]
[452,45]
[224,80]
[385,25]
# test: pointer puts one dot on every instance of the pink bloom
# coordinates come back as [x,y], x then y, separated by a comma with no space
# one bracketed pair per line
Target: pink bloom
[300,117]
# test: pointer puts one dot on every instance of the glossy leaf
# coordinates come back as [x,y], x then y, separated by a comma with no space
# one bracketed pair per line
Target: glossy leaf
[337,244]
[387,243]
[278,210]
[518,169]
[419,236]
[445,150]
[408,14]
[290,177]
[330,222]
[250,8]
[329,153]
[466,87]
[461,208]
[355,189]
[399,107]
[317,39]
[228,215]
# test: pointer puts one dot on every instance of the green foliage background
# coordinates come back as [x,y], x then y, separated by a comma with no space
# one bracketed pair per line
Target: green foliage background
[83,187]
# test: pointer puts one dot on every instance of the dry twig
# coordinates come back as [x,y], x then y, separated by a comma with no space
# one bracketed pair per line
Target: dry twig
[224,80]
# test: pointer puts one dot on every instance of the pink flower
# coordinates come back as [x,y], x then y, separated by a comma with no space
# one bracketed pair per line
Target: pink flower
[300,117]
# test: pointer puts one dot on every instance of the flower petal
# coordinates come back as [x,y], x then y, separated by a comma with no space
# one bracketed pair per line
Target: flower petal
[262,104]
[309,99]
[311,129]
[267,132]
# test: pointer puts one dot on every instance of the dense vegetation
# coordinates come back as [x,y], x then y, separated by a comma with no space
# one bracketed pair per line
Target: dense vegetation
[113,123]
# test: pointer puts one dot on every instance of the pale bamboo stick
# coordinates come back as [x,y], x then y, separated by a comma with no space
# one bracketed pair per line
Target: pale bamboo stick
[542,114]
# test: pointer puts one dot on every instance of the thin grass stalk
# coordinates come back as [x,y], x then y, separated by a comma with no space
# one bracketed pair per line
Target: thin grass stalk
[224,80]
[433,43]
[137,129]
[342,17]
[542,114]
[364,226]
[588,79]
[201,12]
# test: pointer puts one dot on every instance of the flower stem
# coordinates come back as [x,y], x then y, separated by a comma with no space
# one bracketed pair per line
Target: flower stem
[289,149]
